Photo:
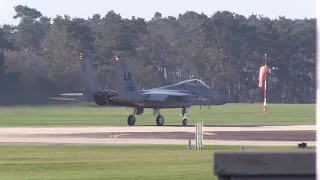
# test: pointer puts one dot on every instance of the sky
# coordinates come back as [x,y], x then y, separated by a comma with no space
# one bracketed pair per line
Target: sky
[146,8]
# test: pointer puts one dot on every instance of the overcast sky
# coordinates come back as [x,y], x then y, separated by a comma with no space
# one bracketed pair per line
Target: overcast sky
[147,8]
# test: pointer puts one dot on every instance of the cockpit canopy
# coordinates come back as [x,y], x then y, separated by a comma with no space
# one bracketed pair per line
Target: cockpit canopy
[196,82]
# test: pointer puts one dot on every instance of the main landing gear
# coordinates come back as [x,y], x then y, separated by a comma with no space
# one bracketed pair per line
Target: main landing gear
[131,118]
[159,119]
[184,113]
[137,111]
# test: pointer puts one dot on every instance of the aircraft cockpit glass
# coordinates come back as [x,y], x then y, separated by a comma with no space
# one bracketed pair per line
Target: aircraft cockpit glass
[197,82]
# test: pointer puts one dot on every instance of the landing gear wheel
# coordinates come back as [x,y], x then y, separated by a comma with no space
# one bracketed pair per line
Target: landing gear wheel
[160,120]
[185,121]
[131,120]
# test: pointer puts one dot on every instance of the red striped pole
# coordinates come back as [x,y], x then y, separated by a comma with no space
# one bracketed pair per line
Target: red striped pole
[265,87]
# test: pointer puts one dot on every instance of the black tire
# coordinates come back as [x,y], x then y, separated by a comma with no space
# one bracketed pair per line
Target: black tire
[131,120]
[160,120]
[185,121]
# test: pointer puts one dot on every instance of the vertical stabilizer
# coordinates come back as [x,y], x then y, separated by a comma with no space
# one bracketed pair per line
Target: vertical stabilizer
[90,77]
[125,79]
[166,81]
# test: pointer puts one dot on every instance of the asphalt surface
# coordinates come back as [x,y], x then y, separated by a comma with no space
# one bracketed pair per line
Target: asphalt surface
[112,135]
[225,135]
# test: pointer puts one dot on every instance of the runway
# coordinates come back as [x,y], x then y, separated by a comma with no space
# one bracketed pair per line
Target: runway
[289,135]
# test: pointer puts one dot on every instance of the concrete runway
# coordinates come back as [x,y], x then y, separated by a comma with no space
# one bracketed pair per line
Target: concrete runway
[289,135]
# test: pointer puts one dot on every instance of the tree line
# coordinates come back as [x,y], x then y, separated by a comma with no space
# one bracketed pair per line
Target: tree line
[39,57]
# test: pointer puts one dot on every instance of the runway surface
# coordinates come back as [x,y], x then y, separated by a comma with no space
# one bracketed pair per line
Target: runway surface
[289,135]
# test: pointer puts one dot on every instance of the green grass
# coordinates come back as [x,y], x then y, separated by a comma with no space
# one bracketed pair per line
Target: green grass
[216,115]
[111,162]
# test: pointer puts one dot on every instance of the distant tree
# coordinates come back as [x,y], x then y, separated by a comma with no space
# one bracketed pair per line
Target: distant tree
[224,49]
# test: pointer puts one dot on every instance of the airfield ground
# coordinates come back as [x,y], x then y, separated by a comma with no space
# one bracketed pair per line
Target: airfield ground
[109,162]
[229,114]
[86,128]
[153,135]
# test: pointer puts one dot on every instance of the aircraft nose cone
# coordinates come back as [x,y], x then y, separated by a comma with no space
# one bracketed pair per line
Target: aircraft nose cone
[223,99]
[219,98]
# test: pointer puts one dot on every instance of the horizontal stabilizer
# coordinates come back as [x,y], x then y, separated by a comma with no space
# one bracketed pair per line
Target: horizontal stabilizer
[64,99]
[71,94]
[71,97]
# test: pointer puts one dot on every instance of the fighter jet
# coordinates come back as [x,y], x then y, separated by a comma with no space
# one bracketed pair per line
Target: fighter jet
[178,95]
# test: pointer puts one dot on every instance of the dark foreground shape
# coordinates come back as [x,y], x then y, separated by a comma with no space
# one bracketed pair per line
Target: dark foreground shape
[263,165]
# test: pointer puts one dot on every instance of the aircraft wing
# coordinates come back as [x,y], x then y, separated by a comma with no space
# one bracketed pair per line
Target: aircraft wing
[167,95]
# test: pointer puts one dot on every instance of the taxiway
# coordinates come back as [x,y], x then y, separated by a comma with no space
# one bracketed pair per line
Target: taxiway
[289,135]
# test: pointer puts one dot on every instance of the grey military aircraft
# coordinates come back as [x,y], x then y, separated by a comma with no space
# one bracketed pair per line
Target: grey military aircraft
[179,95]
